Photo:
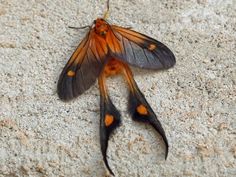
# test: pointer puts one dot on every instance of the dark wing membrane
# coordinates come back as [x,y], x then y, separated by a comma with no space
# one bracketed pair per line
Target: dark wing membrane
[140,50]
[83,68]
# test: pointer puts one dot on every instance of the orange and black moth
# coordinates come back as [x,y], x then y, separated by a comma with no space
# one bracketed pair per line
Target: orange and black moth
[109,50]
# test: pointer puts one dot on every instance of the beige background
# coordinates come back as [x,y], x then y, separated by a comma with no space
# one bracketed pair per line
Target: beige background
[196,100]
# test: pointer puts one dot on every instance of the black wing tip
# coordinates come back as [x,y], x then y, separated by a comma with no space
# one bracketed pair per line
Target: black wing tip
[104,154]
[167,151]
[107,165]
[171,62]
[166,144]
[63,94]
[65,90]
[168,60]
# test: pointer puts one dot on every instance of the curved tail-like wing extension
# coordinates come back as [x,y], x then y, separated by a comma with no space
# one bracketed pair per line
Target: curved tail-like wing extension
[139,108]
[109,119]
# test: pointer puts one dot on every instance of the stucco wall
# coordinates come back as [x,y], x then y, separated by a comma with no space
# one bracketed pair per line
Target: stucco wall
[195,101]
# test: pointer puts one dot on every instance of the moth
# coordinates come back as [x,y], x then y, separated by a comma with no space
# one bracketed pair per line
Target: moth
[108,50]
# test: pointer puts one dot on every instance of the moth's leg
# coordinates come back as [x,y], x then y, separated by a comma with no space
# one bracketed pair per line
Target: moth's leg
[139,108]
[109,118]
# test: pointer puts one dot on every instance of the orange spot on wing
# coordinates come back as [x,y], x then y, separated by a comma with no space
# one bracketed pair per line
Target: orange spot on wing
[141,109]
[108,120]
[70,73]
[151,47]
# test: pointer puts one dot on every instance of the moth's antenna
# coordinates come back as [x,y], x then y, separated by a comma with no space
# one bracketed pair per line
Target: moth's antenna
[82,27]
[106,14]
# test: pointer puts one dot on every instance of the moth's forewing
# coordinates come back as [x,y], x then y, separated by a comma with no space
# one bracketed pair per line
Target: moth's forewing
[83,68]
[140,50]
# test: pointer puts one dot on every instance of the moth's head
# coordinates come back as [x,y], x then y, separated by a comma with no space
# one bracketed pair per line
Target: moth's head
[101,26]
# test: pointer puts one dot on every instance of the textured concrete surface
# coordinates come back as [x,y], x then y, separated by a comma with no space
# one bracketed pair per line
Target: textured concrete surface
[195,101]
